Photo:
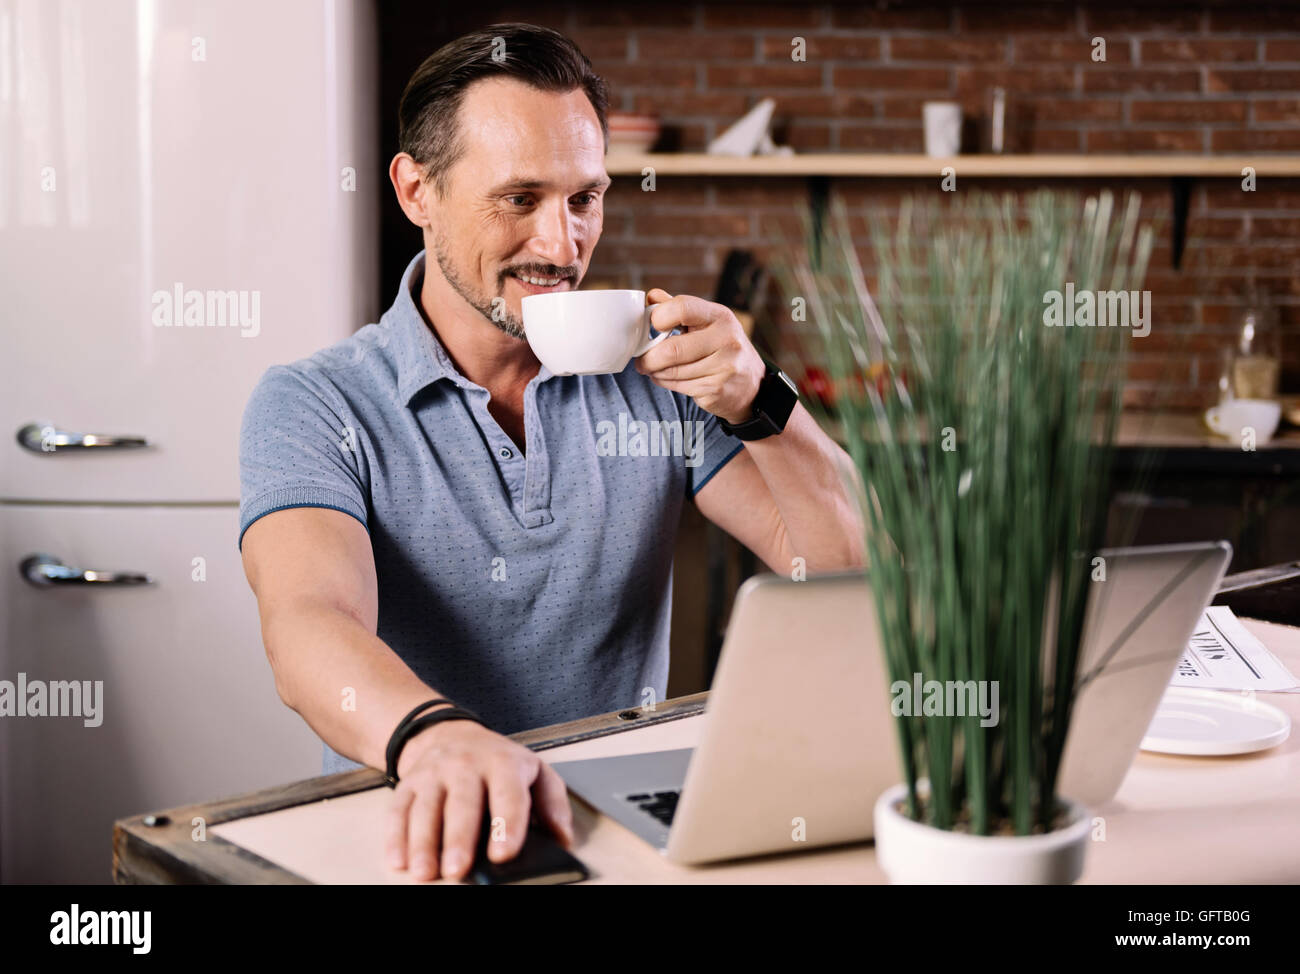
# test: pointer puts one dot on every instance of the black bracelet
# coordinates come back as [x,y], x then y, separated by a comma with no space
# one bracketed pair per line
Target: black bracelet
[409,728]
[416,712]
[390,759]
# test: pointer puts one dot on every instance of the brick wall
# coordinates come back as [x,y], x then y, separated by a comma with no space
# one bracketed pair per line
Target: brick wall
[1178,77]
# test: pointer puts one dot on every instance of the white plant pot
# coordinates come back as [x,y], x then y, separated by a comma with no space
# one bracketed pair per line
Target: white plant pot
[913,853]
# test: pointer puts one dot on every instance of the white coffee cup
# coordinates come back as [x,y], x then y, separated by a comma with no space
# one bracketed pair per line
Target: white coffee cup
[942,128]
[588,332]
[1231,418]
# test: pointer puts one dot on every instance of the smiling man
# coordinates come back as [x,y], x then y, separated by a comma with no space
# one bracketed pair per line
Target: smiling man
[425,512]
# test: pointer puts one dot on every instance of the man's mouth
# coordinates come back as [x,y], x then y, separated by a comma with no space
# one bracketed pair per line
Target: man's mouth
[534,284]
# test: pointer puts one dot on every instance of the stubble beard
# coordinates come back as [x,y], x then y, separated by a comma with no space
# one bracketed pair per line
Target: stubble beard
[501,317]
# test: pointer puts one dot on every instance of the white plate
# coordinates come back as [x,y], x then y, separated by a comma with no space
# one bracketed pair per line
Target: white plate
[1190,721]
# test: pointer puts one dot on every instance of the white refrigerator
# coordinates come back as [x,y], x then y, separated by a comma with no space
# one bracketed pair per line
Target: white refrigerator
[188,194]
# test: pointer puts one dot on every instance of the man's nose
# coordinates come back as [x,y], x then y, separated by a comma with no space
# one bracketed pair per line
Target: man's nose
[554,237]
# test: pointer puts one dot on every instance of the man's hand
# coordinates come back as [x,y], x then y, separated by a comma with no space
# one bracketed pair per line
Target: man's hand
[713,362]
[437,806]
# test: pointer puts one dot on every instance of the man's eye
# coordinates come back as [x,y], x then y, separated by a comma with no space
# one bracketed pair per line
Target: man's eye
[511,199]
[589,199]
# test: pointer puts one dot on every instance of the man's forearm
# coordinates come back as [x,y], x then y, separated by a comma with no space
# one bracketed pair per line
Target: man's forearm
[344,681]
[807,474]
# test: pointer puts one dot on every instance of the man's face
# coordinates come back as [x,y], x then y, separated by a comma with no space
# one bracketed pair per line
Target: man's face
[526,199]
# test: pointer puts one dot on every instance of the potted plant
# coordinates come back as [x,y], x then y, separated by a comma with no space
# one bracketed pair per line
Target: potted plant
[982,441]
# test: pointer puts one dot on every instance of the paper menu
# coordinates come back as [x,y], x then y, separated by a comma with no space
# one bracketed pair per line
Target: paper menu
[1223,655]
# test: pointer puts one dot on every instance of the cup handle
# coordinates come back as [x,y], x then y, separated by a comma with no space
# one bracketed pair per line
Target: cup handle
[1214,421]
[650,343]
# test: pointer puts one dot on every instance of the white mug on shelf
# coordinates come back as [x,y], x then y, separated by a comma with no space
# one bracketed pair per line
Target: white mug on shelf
[1233,417]
[942,128]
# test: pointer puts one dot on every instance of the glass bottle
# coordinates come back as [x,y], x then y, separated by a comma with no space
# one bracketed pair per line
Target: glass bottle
[1257,365]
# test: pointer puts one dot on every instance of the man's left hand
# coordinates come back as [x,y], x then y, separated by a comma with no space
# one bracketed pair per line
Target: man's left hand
[712,361]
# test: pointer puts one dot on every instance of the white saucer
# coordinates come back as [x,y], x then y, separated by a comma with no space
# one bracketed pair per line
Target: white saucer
[1192,721]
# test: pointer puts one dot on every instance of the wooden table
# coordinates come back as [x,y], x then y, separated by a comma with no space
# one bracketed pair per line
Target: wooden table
[1174,820]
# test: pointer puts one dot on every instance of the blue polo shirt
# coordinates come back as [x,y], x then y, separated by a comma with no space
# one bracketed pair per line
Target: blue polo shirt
[530,587]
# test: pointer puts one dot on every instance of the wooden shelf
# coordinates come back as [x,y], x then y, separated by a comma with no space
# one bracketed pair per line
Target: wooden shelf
[878,164]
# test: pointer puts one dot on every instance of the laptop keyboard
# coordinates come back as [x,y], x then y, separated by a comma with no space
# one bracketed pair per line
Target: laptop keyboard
[661,804]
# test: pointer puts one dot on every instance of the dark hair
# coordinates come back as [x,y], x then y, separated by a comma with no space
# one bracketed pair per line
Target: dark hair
[541,57]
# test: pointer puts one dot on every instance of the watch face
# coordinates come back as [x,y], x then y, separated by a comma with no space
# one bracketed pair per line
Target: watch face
[788,381]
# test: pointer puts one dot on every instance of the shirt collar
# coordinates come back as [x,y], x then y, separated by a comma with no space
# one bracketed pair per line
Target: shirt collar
[421,358]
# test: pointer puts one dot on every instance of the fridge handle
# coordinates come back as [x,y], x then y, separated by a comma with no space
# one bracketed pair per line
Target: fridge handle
[44,571]
[47,439]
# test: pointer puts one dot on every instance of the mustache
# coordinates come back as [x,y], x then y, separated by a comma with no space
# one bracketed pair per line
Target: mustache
[549,272]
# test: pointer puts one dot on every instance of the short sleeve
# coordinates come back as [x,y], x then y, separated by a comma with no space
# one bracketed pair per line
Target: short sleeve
[296,450]
[713,446]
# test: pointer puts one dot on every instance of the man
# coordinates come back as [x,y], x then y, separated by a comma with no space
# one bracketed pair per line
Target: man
[424,510]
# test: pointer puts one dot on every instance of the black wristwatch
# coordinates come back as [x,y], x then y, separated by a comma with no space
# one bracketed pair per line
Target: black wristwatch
[773,405]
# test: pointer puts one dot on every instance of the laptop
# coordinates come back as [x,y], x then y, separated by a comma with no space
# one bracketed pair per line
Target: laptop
[798,740]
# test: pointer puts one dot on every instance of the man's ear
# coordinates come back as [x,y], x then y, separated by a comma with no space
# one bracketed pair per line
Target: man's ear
[412,191]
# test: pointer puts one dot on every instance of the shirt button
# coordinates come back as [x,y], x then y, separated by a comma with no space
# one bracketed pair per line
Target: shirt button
[504,453]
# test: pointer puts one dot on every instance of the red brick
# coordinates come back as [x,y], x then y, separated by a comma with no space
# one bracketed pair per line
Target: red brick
[1167,285]
[601,42]
[669,103]
[1262,227]
[1039,79]
[649,75]
[901,107]
[746,15]
[674,45]
[805,137]
[1252,79]
[1017,16]
[652,255]
[763,76]
[1074,50]
[1219,315]
[1255,140]
[747,194]
[1165,369]
[1139,140]
[1198,51]
[824,47]
[1071,109]
[1253,18]
[775,226]
[1118,19]
[1099,78]
[1276,110]
[892,79]
[1192,110]
[1282,50]
[1038,139]
[716,223]
[684,137]
[1227,194]
[684,191]
[639,16]
[1216,228]
[913,17]
[1276,256]
[850,105]
[881,139]
[947,49]
[1179,341]
[805,106]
